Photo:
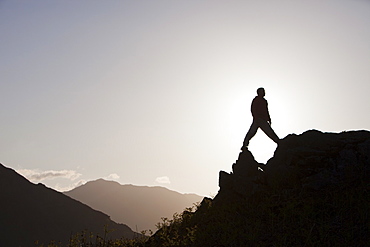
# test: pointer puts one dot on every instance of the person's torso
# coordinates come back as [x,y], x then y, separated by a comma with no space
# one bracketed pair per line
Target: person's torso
[259,108]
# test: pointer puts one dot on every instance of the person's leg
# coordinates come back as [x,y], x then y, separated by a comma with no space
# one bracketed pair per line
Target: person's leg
[266,127]
[251,132]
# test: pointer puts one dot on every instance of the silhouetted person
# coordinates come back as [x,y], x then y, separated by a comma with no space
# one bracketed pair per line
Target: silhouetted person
[261,119]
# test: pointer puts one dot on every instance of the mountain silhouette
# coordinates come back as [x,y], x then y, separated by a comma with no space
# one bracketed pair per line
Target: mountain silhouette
[314,191]
[140,207]
[30,212]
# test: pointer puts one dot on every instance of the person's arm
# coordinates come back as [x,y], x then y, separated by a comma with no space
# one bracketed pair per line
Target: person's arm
[253,108]
[268,114]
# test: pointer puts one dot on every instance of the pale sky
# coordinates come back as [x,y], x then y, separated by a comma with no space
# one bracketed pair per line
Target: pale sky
[159,92]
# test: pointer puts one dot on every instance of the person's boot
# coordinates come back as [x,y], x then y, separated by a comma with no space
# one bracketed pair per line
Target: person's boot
[245,146]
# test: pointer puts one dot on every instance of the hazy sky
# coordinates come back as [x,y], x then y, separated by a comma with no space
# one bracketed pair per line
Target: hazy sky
[159,92]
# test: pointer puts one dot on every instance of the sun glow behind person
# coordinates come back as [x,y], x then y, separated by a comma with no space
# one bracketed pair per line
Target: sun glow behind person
[141,90]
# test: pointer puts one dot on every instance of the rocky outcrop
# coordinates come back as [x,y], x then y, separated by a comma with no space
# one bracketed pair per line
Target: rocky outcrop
[314,191]
[310,161]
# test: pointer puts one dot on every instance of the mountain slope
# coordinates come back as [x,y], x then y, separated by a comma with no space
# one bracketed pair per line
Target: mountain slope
[140,207]
[313,192]
[30,212]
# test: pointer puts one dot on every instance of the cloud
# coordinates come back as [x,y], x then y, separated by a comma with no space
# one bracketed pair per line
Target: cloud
[112,176]
[62,188]
[163,180]
[37,176]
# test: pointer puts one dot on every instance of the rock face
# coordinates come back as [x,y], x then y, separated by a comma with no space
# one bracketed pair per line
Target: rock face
[314,191]
[310,161]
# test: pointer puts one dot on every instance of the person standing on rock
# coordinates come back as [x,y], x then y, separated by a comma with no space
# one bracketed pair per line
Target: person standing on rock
[261,119]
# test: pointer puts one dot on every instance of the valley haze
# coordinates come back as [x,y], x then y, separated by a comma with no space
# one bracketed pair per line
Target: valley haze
[140,207]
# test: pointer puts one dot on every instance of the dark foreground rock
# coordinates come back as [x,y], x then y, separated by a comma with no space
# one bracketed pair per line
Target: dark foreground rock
[313,192]
[312,160]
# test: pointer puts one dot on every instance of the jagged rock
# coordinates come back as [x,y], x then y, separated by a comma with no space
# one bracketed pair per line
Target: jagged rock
[247,173]
[225,180]
[311,160]
[313,192]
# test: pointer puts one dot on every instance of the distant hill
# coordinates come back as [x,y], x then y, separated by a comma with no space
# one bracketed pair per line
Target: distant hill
[313,192]
[140,207]
[30,212]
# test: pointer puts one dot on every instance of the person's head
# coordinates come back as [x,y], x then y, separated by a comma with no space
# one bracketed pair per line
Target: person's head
[261,92]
